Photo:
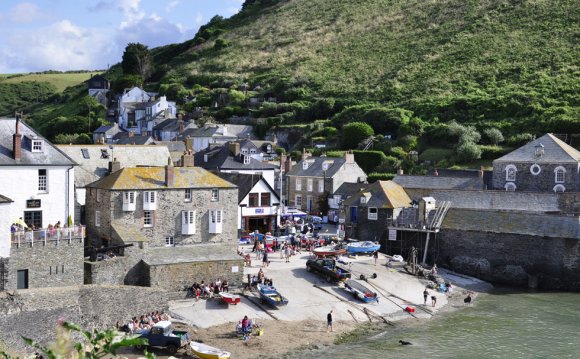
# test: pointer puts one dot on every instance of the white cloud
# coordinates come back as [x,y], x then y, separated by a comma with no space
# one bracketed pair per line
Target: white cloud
[172,4]
[25,12]
[152,31]
[102,6]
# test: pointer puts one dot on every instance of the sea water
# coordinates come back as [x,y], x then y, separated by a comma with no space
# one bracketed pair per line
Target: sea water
[503,324]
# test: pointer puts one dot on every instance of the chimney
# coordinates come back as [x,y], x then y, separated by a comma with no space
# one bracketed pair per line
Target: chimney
[305,154]
[114,165]
[17,141]
[169,173]
[481,172]
[181,126]
[234,148]
[400,172]
[349,157]
[187,159]
[283,162]
[288,165]
[188,144]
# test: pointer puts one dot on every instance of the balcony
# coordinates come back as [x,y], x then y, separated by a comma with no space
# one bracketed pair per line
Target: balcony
[45,235]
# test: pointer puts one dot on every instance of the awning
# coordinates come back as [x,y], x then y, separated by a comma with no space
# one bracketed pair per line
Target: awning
[293,212]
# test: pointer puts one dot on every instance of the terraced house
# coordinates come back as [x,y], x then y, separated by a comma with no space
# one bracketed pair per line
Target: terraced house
[178,224]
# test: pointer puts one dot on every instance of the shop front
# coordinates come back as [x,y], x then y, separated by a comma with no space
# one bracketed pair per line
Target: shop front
[262,219]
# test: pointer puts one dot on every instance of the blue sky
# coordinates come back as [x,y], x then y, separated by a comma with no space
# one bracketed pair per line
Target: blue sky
[38,35]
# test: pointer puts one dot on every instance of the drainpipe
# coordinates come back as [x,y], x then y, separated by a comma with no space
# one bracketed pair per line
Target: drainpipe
[66,209]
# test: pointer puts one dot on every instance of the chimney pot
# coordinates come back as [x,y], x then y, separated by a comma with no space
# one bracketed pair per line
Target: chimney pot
[169,173]
[114,165]
[17,141]
[187,159]
[400,172]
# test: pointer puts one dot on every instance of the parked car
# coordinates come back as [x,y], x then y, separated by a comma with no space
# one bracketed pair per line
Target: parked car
[162,335]
[327,268]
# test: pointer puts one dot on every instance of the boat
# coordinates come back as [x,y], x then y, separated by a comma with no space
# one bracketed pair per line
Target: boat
[204,351]
[363,247]
[360,291]
[270,295]
[229,298]
[328,251]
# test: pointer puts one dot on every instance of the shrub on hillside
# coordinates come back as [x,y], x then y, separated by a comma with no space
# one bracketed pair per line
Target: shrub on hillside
[369,160]
[493,136]
[355,132]
[468,151]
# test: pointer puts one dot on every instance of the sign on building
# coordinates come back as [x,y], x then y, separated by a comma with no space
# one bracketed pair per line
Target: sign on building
[392,234]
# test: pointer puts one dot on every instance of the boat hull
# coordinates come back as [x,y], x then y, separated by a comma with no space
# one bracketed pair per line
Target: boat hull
[329,251]
[271,296]
[206,352]
[363,247]
[230,298]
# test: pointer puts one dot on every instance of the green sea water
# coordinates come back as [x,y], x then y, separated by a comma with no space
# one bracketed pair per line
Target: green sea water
[504,324]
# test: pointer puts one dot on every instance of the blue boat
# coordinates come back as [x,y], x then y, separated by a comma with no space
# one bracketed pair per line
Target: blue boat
[270,295]
[363,247]
[360,291]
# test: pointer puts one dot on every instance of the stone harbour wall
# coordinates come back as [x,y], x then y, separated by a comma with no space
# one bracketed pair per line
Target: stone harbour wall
[33,313]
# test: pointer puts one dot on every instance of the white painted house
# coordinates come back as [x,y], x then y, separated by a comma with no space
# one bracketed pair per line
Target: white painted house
[36,176]
[127,102]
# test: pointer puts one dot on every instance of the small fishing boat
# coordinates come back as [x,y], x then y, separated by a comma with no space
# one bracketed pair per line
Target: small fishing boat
[332,250]
[204,351]
[270,295]
[360,291]
[363,247]
[229,298]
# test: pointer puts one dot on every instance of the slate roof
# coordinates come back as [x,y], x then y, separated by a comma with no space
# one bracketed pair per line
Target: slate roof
[103,128]
[315,167]
[348,189]
[4,199]
[555,151]
[50,155]
[136,178]
[96,166]
[439,182]
[245,183]
[219,157]
[133,140]
[383,194]
[524,223]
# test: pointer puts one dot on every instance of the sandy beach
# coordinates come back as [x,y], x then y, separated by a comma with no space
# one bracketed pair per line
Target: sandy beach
[302,323]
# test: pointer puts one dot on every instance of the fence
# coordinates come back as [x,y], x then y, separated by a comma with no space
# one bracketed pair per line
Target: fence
[45,235]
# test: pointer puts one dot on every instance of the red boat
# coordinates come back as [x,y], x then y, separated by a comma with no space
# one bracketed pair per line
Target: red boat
[328,251]
[230,298]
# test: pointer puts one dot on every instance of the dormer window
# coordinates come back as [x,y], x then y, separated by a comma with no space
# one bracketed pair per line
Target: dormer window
[36,145]
[305,165]
[253,151]
[244,150]
[363,200]
[539,150]
[246,160]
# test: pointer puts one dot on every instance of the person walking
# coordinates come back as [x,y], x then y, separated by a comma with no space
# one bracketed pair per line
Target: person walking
[265,259]
[329,322]
[376,257]
[433,300]
[287,252]
[425,295]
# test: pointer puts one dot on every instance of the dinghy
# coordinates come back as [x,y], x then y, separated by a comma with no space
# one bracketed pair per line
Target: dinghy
[204,351]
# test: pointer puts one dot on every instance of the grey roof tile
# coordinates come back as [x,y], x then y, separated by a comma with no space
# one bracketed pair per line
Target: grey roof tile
[555,151]
[315,167]
[439,182]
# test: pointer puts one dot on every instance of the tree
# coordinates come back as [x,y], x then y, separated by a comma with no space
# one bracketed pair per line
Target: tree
[468,151]
[137,60]
[493,135]
[355,132]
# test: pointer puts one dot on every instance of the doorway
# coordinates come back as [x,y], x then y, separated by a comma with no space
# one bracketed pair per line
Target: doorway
[33,218]
[22,279]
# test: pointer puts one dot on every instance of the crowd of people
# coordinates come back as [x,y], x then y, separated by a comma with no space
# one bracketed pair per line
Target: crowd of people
[208,290]
[29,231]
[144,322]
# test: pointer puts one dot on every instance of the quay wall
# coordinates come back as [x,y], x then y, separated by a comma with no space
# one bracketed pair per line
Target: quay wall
[34,313]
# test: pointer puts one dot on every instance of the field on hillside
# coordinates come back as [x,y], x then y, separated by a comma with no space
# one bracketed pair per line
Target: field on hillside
[60,81]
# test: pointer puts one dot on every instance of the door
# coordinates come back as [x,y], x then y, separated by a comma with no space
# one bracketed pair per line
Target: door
[353,214]
[22,279]
[33,218]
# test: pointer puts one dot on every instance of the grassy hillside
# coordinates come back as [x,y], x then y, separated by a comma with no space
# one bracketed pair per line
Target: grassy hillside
[60,81]
[513,62]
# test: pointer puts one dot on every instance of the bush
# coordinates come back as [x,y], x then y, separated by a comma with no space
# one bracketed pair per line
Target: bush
[468,151]
[493,152]
[493,136]
[373,177]
[369,160]
[520,139]
[355,132]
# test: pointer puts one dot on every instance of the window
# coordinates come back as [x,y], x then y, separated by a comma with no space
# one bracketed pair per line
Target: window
[85,153]
[244,151]
[298,200]
[320,185]
[510,173]
[299,184]
[147,218]
[510,187]
[252,150]
[373,213]
[188,222]
[309,203]
[264,199]
[97,218]
[305,165]
[215,195]
[98,195]
[149,200]
[363,200]
[325,165]
[169,241]
[253,200]
[535,169]
[188,195]
[560,174]
[129,201]
[559,188]
[309,184]
[42,181]
[36,145]
[215,221]
[246,160]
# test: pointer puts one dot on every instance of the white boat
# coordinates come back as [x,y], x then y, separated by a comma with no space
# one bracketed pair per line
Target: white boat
[363,247]
[204,351]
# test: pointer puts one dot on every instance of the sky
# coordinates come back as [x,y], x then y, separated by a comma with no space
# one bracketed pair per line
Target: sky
[40,35]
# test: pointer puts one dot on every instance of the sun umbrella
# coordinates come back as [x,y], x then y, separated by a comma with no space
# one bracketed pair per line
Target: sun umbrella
[20,222]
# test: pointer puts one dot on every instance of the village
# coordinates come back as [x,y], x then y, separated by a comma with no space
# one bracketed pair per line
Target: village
[158,203]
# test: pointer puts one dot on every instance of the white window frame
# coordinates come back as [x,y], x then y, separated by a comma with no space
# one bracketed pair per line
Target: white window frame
[363,199]
[148,220]
[246,160]
[309,184]
[320,185]
[510,187]
[535,169]
[253,151]
[244,151]
[298,184]
[305,165]
[169,241]
[188,221]
[325,166]
[373,216]
[298,200]
[215,195]
[129,202]
[36,145]
[560,171]
[216,217]
[188,195]
[559,188]
[97,218]
[149,200]
[43,181]
[98,195]
[509,178]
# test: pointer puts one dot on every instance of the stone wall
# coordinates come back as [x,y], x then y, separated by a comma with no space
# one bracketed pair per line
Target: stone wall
[112,272]
[570,202]
[543,182]
[34,313]
[55,264]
